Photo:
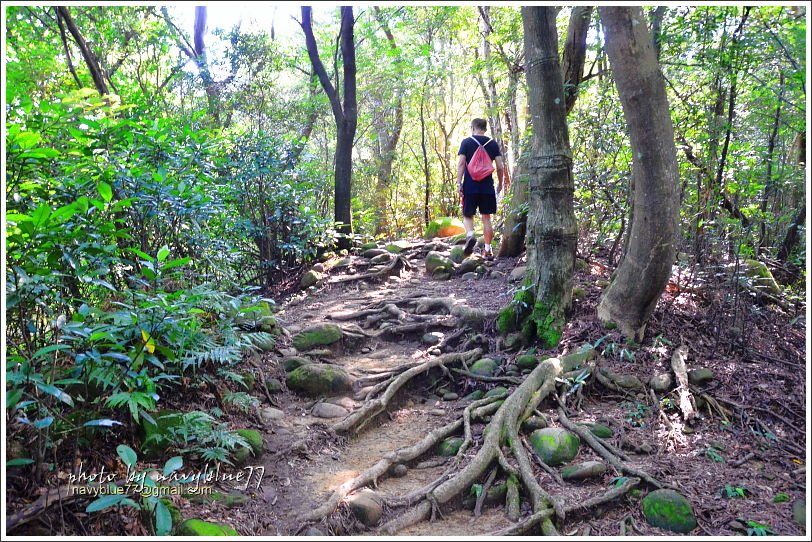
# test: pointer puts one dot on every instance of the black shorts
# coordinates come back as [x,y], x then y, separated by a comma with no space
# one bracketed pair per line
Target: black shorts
[485,202]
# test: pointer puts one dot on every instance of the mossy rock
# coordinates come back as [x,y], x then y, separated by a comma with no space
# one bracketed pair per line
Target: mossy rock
[601,283]
[456,255]
[318,335]
[318,379]
[311,278]
[437,261]
[555,446]
[578,293]
[294,362]
[582,471]
[667,509]
[484,367]
[499,390]
[398,246]
[513,342]
[599,430]
[527,361]
[198,527]
[761,276]
[254,439]
[449,447]
[701,376]
[474,395]
[370,245]
[470,264]
[629,382]
[446,226]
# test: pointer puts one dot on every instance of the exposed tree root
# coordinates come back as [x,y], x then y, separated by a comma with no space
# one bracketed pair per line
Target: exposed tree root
[686,401]
[601,450]
[394,267]
[371,408]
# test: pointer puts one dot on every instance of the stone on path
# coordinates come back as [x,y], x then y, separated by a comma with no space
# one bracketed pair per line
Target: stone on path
[316,379]
[582,471]
[669,510]
[328,410]
[318,335]
[554,445]
[367,506]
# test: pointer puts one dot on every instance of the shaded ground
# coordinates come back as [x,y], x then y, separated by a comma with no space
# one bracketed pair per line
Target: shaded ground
[759,448]
[755,442]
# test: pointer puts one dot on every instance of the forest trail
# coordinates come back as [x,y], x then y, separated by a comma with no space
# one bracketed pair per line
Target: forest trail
[306,461]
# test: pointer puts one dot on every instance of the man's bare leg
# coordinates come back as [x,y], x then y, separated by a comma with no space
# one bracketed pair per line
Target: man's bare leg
[470,238]
[486,225]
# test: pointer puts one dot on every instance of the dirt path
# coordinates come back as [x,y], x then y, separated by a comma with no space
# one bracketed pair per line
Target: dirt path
[299,479]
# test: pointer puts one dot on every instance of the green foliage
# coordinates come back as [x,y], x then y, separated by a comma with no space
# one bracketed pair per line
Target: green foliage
[781,497]
[754,528]
[732,492]
[635,413]
[712,454]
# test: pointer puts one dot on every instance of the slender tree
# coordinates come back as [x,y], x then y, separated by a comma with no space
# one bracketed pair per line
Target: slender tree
[345,112]
[645,267]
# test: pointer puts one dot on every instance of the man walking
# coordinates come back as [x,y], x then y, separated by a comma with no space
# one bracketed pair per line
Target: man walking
[478,194]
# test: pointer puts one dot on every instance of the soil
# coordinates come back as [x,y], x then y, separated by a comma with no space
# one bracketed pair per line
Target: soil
[756,350]
[760,447]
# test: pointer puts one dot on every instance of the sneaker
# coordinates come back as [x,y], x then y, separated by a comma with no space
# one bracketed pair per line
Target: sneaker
[470,243]
[488,253]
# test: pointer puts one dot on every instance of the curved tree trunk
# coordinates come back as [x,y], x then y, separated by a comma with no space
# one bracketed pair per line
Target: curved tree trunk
[646,264]
[573,57]
[551,226]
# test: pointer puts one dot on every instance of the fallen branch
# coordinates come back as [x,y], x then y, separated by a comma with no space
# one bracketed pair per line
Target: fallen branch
[398,264]
[686,402]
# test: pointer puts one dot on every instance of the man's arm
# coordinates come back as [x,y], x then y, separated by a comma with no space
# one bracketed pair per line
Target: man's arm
[460,171]
[501,172]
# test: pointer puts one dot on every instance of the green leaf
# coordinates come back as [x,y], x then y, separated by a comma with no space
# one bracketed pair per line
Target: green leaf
[13,397]
[126,454]
[41,215]
[176,263]
[102,423]
[163,252]
[42,352]
[105,191]
[19,462]
[56,392]
[173,464]
[44,422]
[102,503]
[163,519]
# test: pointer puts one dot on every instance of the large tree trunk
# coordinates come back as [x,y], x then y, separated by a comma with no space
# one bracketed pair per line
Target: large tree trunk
[573,57]
[791,238]
[646,264]
[345,113]
[551,226]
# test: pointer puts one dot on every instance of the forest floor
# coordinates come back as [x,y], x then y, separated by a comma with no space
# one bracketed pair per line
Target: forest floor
[756,441]
[749,435]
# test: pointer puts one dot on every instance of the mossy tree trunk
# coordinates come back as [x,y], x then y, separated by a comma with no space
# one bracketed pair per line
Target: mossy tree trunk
[645,267]
[574,55]
[551,226]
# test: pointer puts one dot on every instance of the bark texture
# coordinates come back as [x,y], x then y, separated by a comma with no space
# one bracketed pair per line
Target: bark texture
[645,267]
[551,225]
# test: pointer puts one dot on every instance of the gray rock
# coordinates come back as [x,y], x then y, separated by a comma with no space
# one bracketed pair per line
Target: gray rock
[582,471]
[535,422]
[269,415]
[372,252]
[450,396]
[382,258]
[700,377]
[432,338]
[485,367]
[317,379]
[318,268]
[328,410]
[367,506]
[436,260]
[312,531]
[273,385]
[661,383]
[629,382]
[517,274]
[344,402]
[437,412]
[799,512]
[399,470]
[470,276]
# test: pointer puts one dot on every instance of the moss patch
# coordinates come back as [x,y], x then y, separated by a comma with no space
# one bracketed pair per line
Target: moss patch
[444,227]
[485,367]
[667,509]
[198,527]
[449,447]
[320,335]
[317,379]
[254,439]
[549,322]
[555,446]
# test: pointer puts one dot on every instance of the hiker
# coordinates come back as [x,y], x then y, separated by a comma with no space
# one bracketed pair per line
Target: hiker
[477,191]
